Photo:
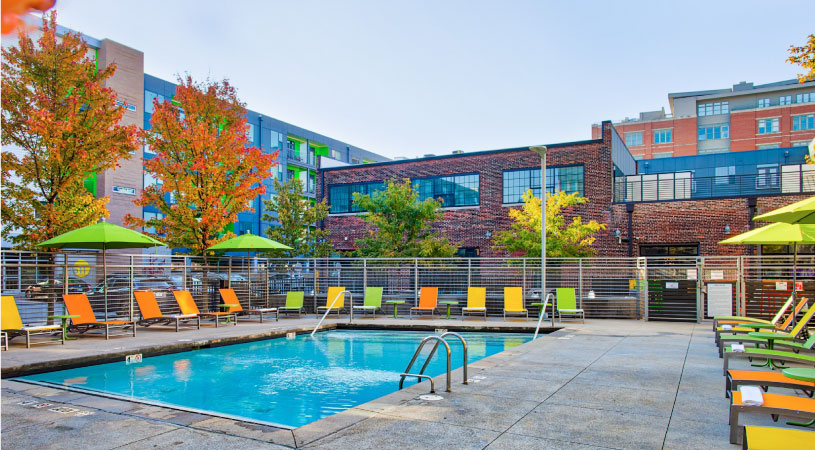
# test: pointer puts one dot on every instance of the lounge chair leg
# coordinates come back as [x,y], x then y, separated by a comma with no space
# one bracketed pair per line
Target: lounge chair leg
[734,425]
[27,339]
[107,332]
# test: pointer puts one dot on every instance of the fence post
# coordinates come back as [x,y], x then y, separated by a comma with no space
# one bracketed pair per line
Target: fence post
[64,285]
[364,279]
[739,280]
[229,275]
[314,291]
[700,303]
[469,272]
[415,282]
[130,297]
[248,277]
[580,282]
[523,274]
[645,286]
[266,285]
[184,265]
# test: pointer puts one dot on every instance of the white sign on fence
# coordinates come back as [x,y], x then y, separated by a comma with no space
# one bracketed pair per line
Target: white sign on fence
[671,285]
[780,285]
[717,274]
[691,274]
[719,299]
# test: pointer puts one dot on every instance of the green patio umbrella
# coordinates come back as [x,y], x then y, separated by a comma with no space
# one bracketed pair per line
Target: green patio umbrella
[102,236]
[798,212]
[779,234]
[248,243]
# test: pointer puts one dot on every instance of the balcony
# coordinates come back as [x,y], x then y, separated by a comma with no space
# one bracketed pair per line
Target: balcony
[793,179]
[301,157]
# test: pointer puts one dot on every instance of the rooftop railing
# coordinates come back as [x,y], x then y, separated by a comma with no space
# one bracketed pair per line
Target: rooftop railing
[793,179]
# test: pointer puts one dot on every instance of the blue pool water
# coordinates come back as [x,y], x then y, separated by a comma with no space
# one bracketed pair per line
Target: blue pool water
[287,382]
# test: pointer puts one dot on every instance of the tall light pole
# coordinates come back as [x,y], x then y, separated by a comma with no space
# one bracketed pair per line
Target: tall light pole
[541,150]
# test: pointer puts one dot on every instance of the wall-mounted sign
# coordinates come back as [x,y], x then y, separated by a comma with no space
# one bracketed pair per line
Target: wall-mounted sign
[719,299]
[671,285]
[126,106]
[81,269]
[780,285]
[124,190]
[691,274]
[717,274]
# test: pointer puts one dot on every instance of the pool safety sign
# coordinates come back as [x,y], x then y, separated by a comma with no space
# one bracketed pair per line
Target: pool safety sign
[133,359]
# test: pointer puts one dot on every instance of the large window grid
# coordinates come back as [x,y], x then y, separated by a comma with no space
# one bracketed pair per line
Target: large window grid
[341,196]
[451,190]
[804,122]
[764,103]
[712,109]
[148,101]
[633,139]
[767,126]
[517,182]
[718,131]
[785,100]
[805,98]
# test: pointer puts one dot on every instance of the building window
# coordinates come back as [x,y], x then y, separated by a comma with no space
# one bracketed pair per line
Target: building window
[451,190]
[290,145]
[149,180]
[805,122]
[718,131]
[767,176]
[250,134]
[289,174]
[150,216]
[658,155]
[669,250]
[341,196]
[767,126]
[785,100]
[800,143]
[712,109]
[633,139]
[336,154]
[767,146]
[148,101]
[275,140]
[517,182]
[763,102]
[662,136]
[725,175]
[354,160]
[805,98]
[148,151]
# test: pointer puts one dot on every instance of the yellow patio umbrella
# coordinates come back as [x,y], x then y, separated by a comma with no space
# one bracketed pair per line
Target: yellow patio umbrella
[798,212]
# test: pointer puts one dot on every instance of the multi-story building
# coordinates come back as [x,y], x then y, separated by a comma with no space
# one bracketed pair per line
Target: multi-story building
[300,150]
[744,117]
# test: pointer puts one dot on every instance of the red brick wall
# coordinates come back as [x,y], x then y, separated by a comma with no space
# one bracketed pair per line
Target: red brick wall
[744,127]
[468,227]
[691,222]
[683,136]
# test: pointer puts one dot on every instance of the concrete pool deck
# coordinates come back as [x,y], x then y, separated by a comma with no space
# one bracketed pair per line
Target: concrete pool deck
[602,384]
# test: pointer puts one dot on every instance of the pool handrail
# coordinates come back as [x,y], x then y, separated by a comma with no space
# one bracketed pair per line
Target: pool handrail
[421,376]
[327,311]
[433,351]
[543,310]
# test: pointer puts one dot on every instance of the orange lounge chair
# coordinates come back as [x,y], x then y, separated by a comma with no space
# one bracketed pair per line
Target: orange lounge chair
[428,301]
[775,404]
[188,306]
[78,305]
[229,298]
[151,313]
[765,379]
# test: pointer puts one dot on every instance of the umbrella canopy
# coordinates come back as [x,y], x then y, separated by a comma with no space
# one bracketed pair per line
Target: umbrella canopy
[776,234]
[798,212]
[103,236]
[248,243]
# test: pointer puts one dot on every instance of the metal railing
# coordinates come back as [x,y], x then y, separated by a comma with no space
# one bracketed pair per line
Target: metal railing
[615,288]
[301,156]
[793,179]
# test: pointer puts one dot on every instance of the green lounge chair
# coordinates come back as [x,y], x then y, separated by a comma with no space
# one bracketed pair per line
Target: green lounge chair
[294,303]
[373,300]
[719,320]
[744,328]
[740,335]
[567,304]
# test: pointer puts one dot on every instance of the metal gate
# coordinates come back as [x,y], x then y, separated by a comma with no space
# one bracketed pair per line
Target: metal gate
[672,289]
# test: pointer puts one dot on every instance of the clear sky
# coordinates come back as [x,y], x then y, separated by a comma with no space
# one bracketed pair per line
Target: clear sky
[416,77]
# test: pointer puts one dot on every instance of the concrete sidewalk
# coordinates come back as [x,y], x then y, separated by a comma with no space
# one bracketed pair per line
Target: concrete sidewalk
[603,384]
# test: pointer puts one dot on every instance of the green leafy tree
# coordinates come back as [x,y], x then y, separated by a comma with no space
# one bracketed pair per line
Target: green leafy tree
[297,217]
[401,225]
[62,124]
[572,239]
[805,57]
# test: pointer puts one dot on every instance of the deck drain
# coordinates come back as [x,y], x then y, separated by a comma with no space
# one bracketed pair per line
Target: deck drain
[430,397]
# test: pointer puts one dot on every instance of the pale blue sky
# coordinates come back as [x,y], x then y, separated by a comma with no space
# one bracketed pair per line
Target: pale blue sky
[410,78]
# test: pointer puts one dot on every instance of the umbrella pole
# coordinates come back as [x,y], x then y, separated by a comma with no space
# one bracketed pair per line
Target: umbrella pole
[105,279]
[794,280]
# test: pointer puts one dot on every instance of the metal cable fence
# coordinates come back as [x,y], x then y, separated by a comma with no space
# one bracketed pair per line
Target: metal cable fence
[686,288]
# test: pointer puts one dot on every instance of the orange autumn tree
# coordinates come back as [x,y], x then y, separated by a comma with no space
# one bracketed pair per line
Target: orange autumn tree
[60,125]
[205,173]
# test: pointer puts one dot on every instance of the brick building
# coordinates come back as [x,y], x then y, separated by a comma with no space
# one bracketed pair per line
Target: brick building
[742,118]
[675,206]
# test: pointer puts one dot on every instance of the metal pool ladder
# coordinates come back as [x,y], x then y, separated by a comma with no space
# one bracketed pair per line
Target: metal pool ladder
[439,340]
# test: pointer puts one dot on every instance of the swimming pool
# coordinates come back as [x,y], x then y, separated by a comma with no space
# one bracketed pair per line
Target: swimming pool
[279,381]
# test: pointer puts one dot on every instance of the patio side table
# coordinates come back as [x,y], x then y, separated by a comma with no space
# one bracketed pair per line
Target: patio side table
[449,303]
[801,374]
[65,318]
[395,304]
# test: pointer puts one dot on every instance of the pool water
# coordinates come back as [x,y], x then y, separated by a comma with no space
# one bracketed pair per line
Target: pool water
[286,382]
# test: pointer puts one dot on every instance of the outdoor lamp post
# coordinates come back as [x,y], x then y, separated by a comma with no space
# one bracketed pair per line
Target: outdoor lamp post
[541,150]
